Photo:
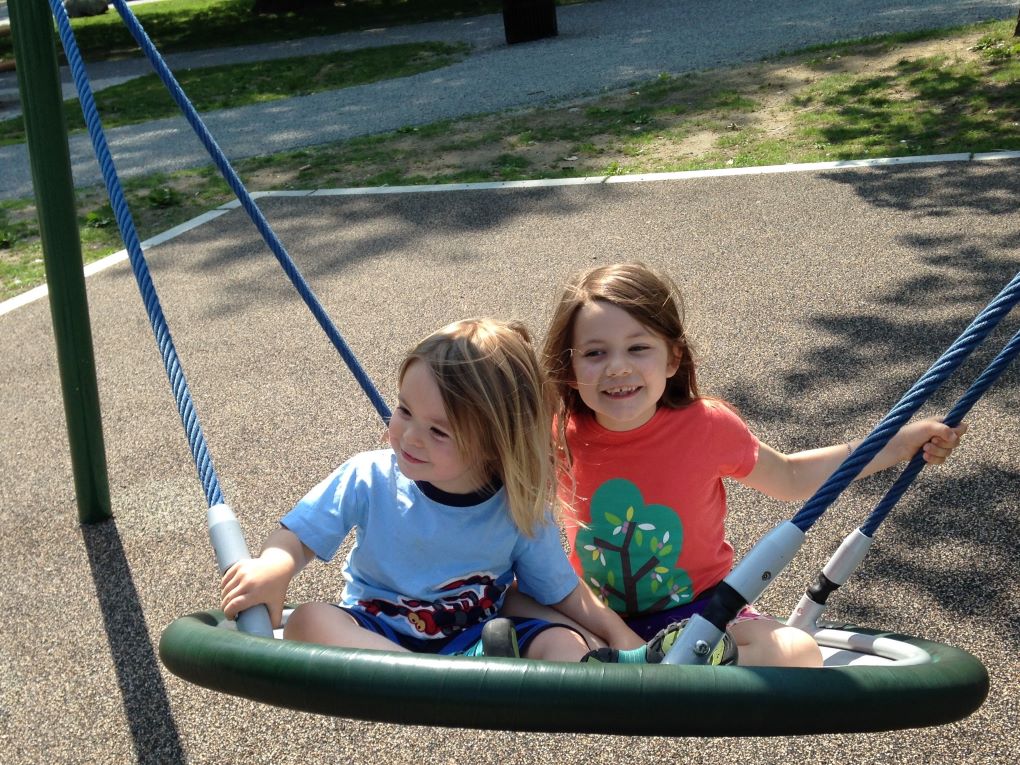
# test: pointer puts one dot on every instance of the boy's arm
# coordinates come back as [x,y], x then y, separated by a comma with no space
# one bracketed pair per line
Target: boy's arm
[588,611]
[798,476]
[265,579]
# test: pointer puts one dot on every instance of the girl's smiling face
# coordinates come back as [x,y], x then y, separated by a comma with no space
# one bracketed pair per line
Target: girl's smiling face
[620,366]
[421,437]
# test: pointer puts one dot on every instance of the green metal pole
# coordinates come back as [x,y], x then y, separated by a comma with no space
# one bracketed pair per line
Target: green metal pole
[35,57]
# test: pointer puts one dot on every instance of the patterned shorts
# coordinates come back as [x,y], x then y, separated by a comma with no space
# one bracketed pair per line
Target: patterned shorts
[467,641]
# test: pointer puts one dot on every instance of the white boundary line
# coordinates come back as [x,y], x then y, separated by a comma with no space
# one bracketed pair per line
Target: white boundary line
[100,265]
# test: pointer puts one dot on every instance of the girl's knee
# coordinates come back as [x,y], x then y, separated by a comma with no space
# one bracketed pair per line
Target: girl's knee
[765,642]
[556,644]
[799,649]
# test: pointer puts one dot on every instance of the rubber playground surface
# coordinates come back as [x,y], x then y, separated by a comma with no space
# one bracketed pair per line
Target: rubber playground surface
[816,298]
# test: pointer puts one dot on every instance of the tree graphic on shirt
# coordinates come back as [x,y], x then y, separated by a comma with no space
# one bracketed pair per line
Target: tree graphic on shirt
[625,549]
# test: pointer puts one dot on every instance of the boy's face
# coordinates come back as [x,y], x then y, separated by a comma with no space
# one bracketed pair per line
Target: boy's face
[421,437]
[620,366]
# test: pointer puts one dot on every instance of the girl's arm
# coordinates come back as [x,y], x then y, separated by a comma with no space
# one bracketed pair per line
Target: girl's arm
[798,476]
[265,579]
[581,606]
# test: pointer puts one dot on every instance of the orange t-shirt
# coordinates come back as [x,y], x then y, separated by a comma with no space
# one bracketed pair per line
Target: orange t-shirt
[652,504]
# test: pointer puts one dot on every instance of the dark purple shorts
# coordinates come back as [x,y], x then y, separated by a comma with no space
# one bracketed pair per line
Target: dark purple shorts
[648,625]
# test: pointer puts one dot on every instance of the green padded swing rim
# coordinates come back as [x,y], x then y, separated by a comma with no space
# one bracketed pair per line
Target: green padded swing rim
[515,694]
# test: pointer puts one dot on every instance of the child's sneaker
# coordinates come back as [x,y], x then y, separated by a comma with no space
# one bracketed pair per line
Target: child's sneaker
[656,648]
[725,652]
[602,656]
[499,638]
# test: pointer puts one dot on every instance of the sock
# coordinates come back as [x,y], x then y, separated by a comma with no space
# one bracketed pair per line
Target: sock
[616,656]
[633,655]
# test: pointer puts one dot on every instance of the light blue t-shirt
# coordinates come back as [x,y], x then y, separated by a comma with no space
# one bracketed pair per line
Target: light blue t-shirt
[427,569]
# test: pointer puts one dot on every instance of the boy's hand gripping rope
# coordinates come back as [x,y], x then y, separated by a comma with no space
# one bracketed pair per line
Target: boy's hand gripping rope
[775,550]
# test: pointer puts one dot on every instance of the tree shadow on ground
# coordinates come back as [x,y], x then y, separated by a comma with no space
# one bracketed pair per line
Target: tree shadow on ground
[326,237]
[956,273]
[940,191]
[946,109]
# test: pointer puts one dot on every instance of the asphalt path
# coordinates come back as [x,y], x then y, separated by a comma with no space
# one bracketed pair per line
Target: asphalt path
[815,300]
[601,45]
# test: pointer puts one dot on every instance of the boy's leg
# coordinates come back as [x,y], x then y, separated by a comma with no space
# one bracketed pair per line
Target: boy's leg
[326,624]
[516,605]
[532,639]
[555,643]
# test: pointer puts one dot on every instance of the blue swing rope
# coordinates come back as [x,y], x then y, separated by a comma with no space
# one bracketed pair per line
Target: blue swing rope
[855,546]
[128,232]
[267,233]
[960,409]
[225,533]
[912,400]
[125,222]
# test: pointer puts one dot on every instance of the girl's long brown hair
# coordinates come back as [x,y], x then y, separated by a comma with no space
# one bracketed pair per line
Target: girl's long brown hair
[651,298]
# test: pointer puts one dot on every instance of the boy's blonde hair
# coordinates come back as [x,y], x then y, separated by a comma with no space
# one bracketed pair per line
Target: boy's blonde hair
[651,298]
[493,389]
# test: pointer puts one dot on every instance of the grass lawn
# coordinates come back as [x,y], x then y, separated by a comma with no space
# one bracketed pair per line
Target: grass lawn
[179,25]
[941,92]
[224,87]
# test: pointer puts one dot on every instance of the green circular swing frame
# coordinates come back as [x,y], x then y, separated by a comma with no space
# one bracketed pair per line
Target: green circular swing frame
[522,695]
